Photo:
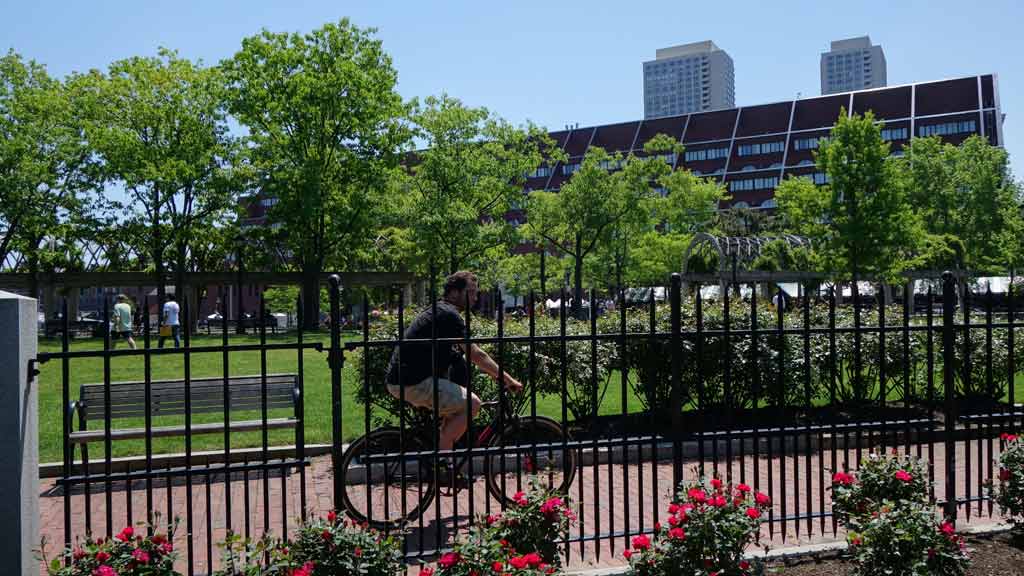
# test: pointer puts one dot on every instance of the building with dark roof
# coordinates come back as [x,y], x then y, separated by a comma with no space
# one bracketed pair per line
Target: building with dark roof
[752,148]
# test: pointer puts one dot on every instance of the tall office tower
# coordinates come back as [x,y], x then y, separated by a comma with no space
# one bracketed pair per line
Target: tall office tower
[690,78]
[852,64]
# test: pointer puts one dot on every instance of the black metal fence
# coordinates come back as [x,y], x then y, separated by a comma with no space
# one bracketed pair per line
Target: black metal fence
[621,404]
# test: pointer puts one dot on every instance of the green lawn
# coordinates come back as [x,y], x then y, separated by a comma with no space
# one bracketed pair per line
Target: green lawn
[317,394]
[317,386]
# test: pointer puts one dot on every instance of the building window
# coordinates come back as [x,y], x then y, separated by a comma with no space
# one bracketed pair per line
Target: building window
[769,203]
[753,184]
[569,169]
[818,178]
[948,128]
[708,154]
[611,164]
[541,172]
[762,148]
[808,143]
[268,202]
[894,133]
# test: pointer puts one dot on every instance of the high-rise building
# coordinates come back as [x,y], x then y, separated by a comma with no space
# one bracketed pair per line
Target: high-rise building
[690,78]
[852,64]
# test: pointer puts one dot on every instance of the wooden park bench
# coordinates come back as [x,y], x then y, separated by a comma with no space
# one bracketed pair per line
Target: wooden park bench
[167,398]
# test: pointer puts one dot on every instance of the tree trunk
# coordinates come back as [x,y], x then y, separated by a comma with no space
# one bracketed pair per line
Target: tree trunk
[158,255]
[311,296]
[577,291]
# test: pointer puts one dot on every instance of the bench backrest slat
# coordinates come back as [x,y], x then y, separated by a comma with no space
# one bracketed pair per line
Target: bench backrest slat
[128,399]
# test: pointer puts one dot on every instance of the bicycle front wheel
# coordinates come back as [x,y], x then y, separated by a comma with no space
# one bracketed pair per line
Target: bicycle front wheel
[383,486]
[538,452]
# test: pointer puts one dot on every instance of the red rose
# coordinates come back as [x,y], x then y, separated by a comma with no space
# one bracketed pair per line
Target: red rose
[426,571]
[492,518]
[104,571]
[677,534]
[842,478]
[718,501]
[743,488]
[697,495]
[533,559]
[627,553]
[326,535]
[753,513]
[102,556]
[140,556]
[358,552]
[520,498]
[673,521]
[449,559]
[947,529]
[657,526]
[744,565]
[78,554]
[641,542]
[497,566]
[125,534]
[903,476]
[518,562]
[158,539]
[1004,474]
[673,508]
[332,516]
[167,547]
[762,499]
[716,483]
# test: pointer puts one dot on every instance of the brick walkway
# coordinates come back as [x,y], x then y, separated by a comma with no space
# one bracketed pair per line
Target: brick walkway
[608,509]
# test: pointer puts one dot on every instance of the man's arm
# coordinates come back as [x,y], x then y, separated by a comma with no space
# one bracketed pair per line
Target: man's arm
[484,361]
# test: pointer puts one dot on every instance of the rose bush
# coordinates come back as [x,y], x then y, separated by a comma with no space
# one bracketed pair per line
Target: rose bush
[128,553]
[1009,492]
[522,541]
[326,546]
[895,478]
[709,527]
[891,527]
[907,540]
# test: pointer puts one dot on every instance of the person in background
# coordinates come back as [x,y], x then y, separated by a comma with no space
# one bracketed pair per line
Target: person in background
[170,316]
[122,322]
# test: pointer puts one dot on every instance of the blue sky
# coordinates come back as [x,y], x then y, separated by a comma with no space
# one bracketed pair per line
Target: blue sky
[553,62]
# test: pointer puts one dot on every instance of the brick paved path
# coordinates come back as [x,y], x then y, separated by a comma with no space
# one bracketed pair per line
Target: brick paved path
[615,498]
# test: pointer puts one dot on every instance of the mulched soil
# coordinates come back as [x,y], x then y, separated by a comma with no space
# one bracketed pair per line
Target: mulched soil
[991,555]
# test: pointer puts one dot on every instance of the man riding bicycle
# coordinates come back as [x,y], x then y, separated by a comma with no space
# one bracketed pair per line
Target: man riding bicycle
[410,373]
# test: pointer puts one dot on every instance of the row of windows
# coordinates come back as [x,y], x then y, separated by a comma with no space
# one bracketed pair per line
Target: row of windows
[612,164]
[947,128]
[568,169]
[808,143]
[894,133]
[762,148]
[753,184]
[540,172]
[268,202]
[818,178]
[708,154]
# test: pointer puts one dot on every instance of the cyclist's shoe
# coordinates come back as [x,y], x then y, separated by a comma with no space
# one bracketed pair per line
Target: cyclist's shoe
[448,478]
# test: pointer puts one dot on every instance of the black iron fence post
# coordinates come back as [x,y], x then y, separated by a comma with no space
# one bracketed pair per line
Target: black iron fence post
[948,363]
[676,397]
[336,360]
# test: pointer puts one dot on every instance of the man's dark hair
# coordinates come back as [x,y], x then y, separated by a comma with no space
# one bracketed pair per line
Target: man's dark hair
[458,281]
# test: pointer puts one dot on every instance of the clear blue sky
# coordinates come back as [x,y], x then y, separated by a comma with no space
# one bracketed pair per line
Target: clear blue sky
[558,62]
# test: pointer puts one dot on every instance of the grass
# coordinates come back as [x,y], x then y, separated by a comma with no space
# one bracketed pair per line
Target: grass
[317,382]
[317,394]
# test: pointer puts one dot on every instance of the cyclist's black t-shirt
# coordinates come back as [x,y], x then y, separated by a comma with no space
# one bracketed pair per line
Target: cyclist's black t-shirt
[414,358]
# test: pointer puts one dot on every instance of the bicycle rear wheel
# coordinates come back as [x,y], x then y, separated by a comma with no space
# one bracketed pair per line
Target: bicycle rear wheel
[538,453]
[382,487]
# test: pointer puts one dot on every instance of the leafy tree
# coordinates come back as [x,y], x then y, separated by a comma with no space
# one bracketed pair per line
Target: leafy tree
[468,175]
[324,123]
[969,203]
[862,222]
[585,214]
[159,128]
[45,171]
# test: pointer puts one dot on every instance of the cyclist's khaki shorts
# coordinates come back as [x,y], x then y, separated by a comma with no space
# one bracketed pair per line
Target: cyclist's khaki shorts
[451,398]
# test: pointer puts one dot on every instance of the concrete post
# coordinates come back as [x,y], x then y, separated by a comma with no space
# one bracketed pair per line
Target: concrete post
[19,447]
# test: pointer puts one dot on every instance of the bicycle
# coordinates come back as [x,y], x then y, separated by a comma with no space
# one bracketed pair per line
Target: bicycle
[389,477]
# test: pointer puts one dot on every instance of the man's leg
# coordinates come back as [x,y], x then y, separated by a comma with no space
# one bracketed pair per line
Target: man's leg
[456,420]
[131,341]
[176,331]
